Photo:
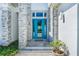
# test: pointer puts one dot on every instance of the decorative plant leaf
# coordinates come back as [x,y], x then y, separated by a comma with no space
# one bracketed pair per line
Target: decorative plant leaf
[56,43]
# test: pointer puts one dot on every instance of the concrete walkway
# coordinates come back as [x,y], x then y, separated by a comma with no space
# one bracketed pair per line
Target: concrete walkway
[35,53]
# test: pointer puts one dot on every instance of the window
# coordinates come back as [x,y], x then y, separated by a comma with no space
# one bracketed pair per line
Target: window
[45,14]
[39,22]
[39,14]
[33,14]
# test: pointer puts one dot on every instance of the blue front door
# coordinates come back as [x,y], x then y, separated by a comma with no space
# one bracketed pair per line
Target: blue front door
[39,29]
[39,26]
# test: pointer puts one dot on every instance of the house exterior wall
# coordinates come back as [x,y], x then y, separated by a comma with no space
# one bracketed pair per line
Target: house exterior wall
[55,24]
[29,22]
[23,23]
[68,29]
[78,30]
[14,24]
[7,33]
[53,17]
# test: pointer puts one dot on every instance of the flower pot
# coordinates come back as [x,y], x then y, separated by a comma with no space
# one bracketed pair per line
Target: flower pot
[56,54]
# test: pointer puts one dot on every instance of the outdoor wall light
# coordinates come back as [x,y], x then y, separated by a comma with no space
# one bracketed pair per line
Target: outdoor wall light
[62,17]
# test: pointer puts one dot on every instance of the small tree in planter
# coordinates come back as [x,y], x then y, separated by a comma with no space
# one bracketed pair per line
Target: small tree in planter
[57,50]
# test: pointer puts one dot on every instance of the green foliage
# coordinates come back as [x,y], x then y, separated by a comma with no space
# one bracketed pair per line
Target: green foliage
[55,5]
[9,50]
[56,43]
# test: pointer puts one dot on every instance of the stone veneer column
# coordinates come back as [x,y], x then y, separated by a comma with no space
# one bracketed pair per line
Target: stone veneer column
[7,24]
[23,25]
[55,24]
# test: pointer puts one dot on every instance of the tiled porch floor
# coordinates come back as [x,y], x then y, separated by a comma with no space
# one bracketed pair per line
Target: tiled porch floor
[32,43]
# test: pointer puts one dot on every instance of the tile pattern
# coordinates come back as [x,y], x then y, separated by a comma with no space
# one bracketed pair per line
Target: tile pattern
[32,43]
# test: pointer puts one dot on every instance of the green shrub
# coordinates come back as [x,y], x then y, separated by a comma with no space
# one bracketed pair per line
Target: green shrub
[9,50]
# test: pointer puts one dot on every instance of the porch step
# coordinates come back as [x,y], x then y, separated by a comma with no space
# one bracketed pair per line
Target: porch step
[35,53]
[37,48]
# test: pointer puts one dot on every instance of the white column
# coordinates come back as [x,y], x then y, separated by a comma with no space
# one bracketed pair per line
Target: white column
[51,22]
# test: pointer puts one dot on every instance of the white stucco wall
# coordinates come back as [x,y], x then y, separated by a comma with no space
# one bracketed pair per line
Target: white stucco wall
[68,30]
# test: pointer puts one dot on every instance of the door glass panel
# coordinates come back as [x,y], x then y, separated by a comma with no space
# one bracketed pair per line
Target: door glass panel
[33,14]
[39,35]
[39,14]
[45,14]
[39,28]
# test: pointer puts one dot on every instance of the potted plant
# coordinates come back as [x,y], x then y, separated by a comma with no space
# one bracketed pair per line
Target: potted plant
[57,50]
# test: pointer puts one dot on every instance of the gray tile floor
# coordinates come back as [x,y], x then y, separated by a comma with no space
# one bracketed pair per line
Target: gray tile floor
[32,43]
